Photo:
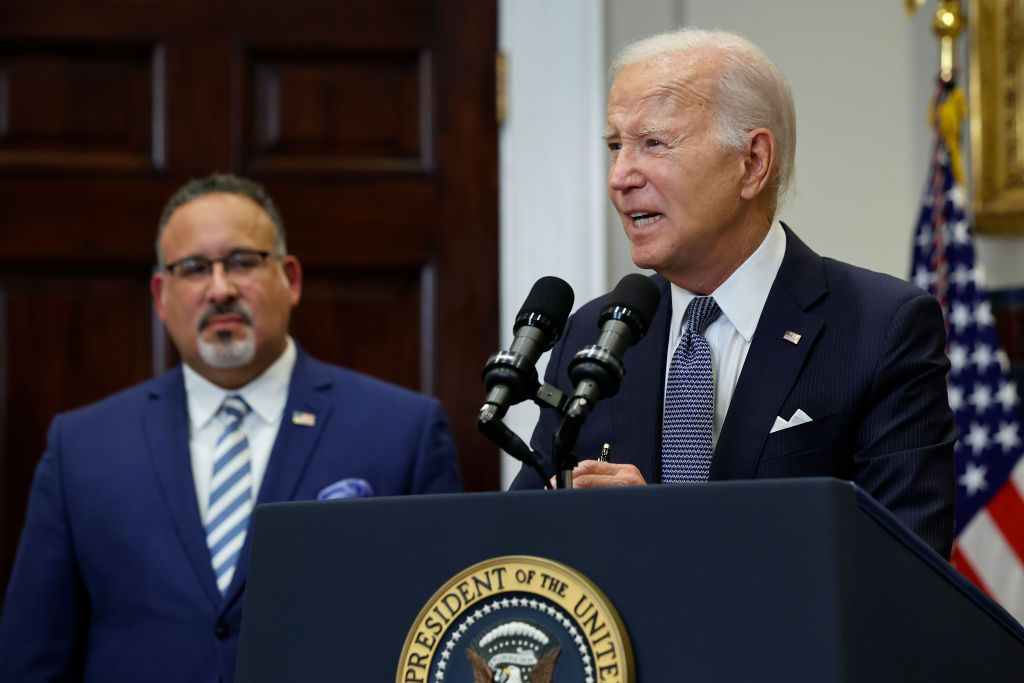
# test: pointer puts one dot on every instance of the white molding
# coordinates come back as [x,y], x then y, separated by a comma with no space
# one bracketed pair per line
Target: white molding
[552,199]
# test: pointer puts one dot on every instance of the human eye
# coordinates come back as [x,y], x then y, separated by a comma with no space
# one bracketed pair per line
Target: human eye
[653,142]
[193,267]
[243,260]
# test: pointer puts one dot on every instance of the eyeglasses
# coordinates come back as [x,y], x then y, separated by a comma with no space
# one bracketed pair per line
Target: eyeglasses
[240,262]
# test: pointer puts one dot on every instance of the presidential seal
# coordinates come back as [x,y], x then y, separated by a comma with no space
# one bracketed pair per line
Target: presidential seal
[517,619]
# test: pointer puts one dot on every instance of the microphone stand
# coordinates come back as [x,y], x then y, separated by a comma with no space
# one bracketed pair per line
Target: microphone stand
[489,422]
[563,449]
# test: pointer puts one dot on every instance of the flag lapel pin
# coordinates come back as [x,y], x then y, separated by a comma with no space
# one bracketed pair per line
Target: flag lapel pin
[303,419]
[792,337]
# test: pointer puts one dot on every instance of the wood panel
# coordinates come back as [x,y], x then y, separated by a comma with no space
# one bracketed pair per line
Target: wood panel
[52,359]
[371,124]
[361,112]
[343,314]
[73,105]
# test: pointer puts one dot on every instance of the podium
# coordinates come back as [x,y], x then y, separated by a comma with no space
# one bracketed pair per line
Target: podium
[773,580]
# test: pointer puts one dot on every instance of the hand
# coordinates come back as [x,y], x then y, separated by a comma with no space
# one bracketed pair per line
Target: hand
[596,474]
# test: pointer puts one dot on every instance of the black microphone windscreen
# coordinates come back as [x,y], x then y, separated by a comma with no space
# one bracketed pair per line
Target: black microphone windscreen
[637,293]
[552,297]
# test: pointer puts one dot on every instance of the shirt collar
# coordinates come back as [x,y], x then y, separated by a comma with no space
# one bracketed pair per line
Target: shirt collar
[741,297]
[266,395]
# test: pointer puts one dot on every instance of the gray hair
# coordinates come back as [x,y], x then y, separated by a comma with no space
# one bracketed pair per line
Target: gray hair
[231,184]
[752,92]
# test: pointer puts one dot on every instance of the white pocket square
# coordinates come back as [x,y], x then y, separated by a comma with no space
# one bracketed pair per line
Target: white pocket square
[799,418]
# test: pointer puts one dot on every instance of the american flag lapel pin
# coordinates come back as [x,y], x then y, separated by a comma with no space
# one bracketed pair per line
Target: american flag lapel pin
[792,337]
[303,419]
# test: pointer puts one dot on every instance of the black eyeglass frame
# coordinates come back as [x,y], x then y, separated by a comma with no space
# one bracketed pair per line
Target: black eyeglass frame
[225,261]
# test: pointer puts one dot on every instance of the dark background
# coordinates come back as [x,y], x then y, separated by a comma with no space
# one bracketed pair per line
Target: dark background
[373,126]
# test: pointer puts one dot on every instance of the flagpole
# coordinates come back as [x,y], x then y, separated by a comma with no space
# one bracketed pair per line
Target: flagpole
[948,24]
[949,106]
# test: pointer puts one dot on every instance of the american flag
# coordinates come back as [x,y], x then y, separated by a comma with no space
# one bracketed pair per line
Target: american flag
[989,545]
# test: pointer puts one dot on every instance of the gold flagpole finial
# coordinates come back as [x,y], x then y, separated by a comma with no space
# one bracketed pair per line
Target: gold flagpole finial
[948,24]
[949,106]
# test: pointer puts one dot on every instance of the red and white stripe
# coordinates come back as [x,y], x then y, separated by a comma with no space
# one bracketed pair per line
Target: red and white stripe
[990,549]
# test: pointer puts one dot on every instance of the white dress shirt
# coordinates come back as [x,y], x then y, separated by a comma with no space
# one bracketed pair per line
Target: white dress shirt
[741,298]
[266,396]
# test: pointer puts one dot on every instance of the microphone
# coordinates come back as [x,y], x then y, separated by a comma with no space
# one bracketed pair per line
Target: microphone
[511,376]
[596,370]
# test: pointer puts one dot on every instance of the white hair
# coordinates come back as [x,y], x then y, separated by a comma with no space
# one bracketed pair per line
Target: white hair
[752,92]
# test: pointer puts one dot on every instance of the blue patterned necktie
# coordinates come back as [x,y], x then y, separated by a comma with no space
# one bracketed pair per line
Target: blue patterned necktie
[227,517]
[690,400]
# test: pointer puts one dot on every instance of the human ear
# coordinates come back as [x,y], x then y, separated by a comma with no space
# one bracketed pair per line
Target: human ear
[156,287]
[760,158]
[291,270]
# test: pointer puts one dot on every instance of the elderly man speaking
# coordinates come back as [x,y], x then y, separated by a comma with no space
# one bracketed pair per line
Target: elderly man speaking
[764,359]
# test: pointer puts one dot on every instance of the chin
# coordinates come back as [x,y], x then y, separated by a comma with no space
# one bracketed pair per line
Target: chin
[230,354]
[642,260]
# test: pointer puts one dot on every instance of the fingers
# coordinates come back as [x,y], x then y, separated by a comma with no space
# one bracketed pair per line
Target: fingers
[596,474]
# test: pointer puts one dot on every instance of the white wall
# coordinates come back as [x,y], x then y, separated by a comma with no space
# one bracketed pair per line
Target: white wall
[552,206]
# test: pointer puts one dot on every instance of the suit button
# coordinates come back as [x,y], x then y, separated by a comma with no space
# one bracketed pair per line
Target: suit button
[221,630]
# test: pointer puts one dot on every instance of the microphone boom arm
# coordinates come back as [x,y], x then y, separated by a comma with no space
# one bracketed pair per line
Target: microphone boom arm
[491,426]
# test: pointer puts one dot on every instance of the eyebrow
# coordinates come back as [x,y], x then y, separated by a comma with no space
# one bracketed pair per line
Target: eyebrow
[642,133]
[650,130]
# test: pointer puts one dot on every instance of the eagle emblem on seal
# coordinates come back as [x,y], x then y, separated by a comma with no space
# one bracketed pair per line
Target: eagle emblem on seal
[514,652]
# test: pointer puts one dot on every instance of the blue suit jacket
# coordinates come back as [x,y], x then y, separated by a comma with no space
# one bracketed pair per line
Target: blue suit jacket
[112,580]
[869,370]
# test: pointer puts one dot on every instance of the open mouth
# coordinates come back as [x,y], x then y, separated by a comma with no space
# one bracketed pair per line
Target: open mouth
[642,219]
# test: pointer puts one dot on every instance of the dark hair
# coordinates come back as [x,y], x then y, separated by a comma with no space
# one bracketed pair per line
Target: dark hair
[223,182]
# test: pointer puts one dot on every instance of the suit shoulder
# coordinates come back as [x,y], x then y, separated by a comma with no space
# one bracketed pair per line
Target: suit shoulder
[372,388]
[592,309]
[849,281]
[123,403]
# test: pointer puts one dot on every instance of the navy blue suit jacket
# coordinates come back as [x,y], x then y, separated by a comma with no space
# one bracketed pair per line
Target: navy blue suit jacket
[869,370]
[112,580]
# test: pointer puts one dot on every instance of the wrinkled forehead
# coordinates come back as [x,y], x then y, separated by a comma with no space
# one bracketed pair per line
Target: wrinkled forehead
[662,85]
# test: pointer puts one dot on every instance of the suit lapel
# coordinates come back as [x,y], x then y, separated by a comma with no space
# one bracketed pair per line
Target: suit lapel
[165,421]
[295,444]
[773,362]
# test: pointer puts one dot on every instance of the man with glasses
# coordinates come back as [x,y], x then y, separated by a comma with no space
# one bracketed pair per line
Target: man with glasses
[133,558]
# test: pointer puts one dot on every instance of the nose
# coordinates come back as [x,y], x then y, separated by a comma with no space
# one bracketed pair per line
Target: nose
[220,287]
[623,173]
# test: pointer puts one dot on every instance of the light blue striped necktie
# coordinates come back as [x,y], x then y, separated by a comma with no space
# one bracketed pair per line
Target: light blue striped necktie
[690,400]
[227,516]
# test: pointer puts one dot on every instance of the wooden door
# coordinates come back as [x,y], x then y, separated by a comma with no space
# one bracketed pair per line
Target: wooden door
[372,124]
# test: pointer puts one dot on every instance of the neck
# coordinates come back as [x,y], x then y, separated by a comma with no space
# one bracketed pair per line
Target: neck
[724,258]
[231,378]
